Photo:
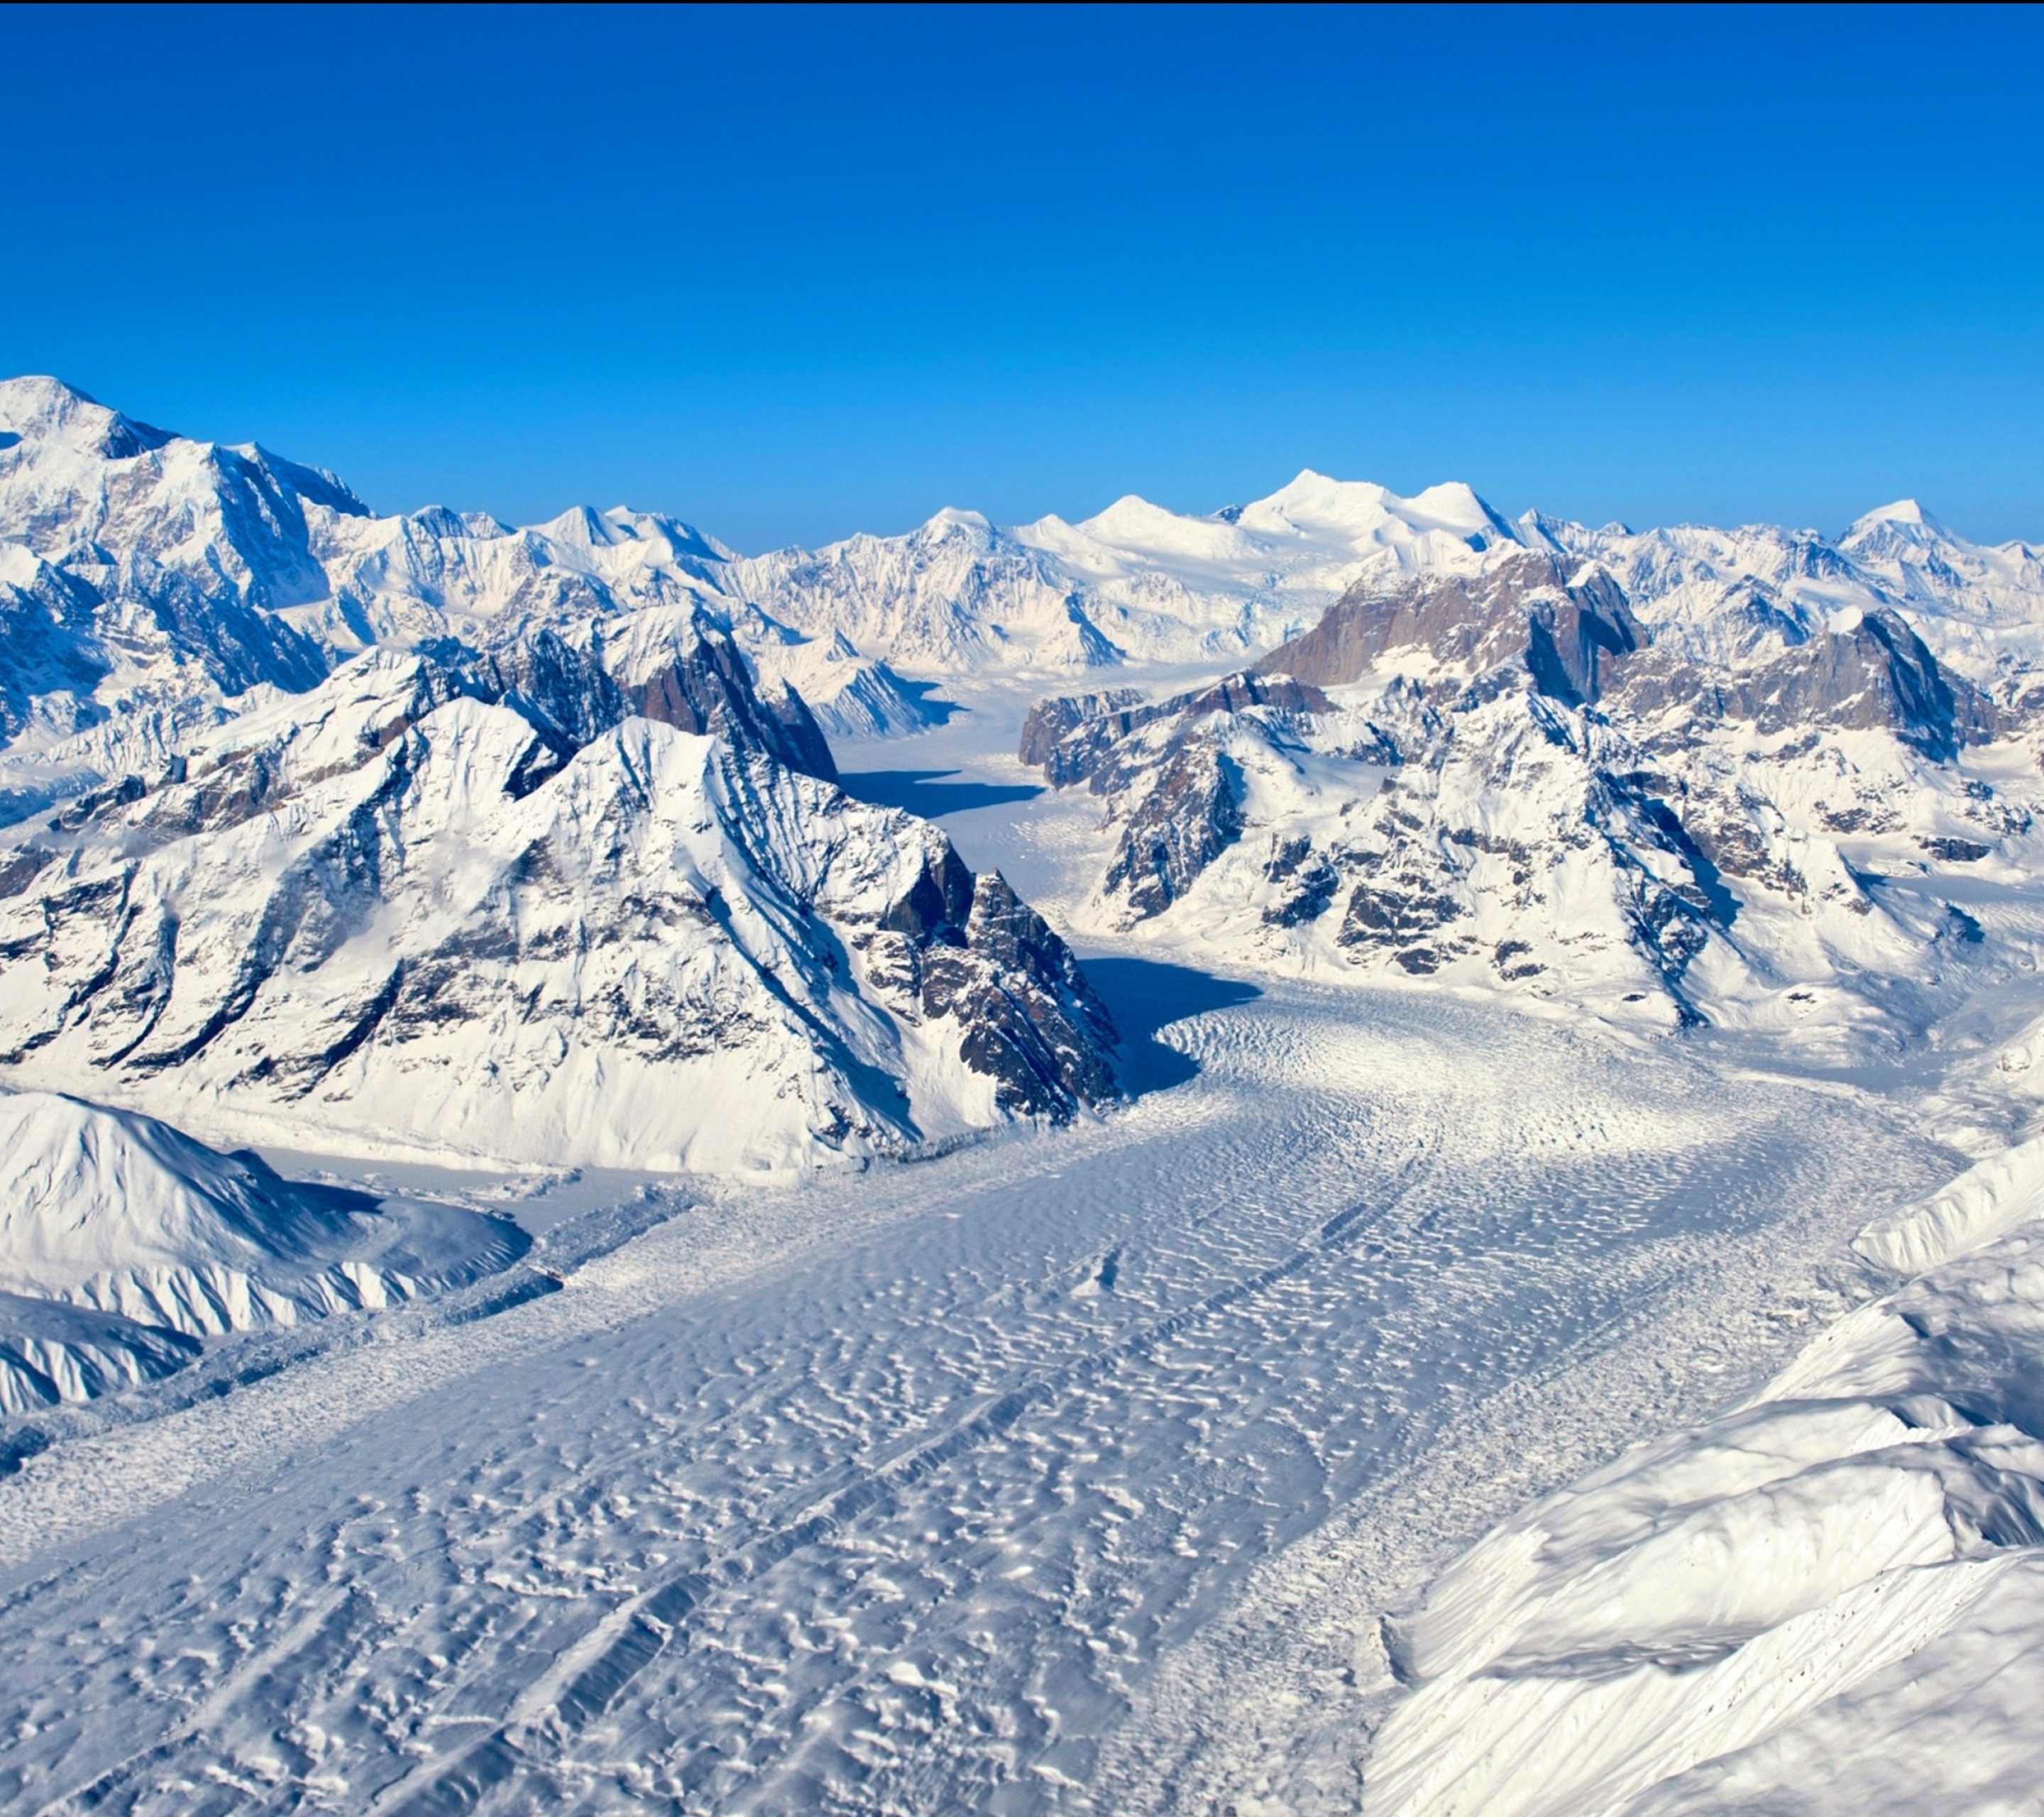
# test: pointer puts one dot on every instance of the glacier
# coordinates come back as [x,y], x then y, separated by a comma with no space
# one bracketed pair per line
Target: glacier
[1347,1155]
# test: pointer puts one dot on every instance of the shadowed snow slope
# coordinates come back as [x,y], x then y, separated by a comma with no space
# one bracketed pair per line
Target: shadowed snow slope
[121,1239]
[1773,1611]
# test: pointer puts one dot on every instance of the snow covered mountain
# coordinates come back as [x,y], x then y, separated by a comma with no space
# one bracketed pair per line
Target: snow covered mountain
[1569,760]
[1511,777]
[145,579]
[445,905]
[148,582]
[123,1242]
[1136,583]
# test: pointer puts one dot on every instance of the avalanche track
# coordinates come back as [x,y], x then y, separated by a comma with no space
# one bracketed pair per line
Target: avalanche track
[1066,1473]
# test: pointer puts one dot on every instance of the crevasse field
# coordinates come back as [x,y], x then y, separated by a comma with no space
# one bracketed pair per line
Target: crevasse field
[1105,1470]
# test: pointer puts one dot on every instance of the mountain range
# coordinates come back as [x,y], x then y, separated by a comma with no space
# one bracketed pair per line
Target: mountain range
[428,836]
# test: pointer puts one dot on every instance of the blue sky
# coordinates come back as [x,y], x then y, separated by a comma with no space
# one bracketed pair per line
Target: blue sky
[794,274]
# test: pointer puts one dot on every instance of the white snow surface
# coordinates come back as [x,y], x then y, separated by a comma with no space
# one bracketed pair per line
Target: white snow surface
[150,1232]
[1407,1402]
[1061,1473]
[1771,1611]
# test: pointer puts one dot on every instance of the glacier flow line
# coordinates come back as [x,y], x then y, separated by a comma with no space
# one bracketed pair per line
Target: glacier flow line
[544,1720]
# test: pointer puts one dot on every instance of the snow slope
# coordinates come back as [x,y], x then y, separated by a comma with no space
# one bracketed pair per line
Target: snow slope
[147,578]
[120,1237]
[1771,1611]
[949,1488]
[148,582]
[420,910]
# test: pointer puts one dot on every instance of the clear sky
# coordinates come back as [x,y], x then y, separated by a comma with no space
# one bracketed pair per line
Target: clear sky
[794,274]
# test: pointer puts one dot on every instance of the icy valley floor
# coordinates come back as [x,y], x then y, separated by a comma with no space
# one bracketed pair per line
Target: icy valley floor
[1068,1473]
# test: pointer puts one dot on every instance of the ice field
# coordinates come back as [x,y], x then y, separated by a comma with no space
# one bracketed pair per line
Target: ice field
[1068,1472]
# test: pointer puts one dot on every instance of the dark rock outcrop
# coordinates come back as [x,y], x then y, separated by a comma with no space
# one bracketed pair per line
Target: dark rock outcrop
[707,688]
[1190,816]
[1075,738]
[1050,720]
[1033,1023]
[1190,810]
[1877,674]
[1567,630]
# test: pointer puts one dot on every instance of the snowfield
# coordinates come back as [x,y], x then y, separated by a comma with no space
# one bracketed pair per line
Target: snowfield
[1068,1472]
[1345,1156]
[1071,1471]
[1763,1613]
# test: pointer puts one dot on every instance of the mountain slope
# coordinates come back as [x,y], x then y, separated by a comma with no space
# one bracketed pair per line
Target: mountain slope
[412,911]
[1775,1611]
[1495,780]
[149,582]
[122,1240]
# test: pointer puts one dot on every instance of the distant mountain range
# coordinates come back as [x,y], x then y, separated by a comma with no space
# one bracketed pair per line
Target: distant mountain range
[145,579]
[1749,777]
[1588,765]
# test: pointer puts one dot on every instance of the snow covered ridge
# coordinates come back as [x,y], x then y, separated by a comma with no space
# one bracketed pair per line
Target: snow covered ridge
[123,1243]
[442,909]
[145,577]
[147,581]
[1776,1611]
[1506,779]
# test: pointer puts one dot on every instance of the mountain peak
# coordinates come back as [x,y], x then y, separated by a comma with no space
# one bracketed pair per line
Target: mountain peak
[1905,514]
[1313,502]
[38,408]
[955,518]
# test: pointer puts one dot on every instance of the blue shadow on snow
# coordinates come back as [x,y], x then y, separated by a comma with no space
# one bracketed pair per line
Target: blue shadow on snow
[924,792]
[1144,996]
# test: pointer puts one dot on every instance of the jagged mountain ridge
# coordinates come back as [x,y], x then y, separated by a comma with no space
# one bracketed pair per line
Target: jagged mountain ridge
[1897,629]
[143,576]
[150,583]
[1505,778]
[425,909]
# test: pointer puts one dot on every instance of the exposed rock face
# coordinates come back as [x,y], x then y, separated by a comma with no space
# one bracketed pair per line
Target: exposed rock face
[392,912]
[1049,720]
[1189,811]
[1512,787]
[694,677]
[1874,672]
[1033,1022]
[1185,820]
[1566,629]
[1075,738]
